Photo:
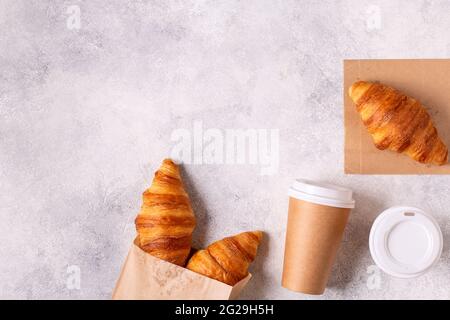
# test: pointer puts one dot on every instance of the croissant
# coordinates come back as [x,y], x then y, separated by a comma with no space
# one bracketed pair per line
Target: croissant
[227,260]
[398,122]
[166,220]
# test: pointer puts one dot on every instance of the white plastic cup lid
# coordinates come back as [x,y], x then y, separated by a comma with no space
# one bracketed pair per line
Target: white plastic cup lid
[405,242]
[322,193]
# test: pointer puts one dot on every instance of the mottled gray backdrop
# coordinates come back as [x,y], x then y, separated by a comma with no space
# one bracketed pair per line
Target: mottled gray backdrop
[91,91]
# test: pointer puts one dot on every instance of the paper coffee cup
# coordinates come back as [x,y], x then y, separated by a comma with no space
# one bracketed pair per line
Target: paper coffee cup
[318,214]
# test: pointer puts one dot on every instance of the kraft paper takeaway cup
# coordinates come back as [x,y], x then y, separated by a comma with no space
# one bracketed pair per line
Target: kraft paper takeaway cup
[318,213]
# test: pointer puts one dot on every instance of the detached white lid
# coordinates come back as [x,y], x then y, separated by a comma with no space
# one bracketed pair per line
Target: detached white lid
[322,193]
[405,241]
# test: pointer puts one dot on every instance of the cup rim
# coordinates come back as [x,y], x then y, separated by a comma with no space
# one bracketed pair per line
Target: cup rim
[322,193]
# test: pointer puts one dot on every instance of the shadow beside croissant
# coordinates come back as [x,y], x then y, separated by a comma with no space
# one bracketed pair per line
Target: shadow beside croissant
[257,286]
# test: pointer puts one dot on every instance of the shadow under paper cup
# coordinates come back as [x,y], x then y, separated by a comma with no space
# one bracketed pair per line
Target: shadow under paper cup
[318,214]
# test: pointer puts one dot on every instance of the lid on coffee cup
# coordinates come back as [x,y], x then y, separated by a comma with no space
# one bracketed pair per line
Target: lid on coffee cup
[405,241]
[322,193]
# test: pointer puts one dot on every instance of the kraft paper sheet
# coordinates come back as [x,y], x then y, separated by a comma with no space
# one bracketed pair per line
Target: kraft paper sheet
[427,80]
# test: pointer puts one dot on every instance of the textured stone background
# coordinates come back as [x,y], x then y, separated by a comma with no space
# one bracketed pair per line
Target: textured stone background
[87,114]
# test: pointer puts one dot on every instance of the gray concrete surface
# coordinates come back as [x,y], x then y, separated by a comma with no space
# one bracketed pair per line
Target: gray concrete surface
[93,93]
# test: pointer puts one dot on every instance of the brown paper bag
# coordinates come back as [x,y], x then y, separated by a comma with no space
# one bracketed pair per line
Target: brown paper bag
[145,277]
[426,80]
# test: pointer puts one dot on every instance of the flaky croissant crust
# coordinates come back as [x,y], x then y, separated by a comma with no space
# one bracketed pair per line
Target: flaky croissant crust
[227,260]
[166,220]
[398,122]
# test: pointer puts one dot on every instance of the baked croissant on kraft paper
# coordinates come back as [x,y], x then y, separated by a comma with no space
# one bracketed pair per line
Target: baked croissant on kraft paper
[166,220]
[398,122]
[227,260]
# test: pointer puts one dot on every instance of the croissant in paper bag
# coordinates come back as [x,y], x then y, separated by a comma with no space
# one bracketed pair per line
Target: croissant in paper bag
[398,122]
[166,221]
[227,260]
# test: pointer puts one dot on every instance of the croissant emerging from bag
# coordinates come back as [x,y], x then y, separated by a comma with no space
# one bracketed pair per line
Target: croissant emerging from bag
[398,122]
[227,260]
[165,225]
[166,220]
